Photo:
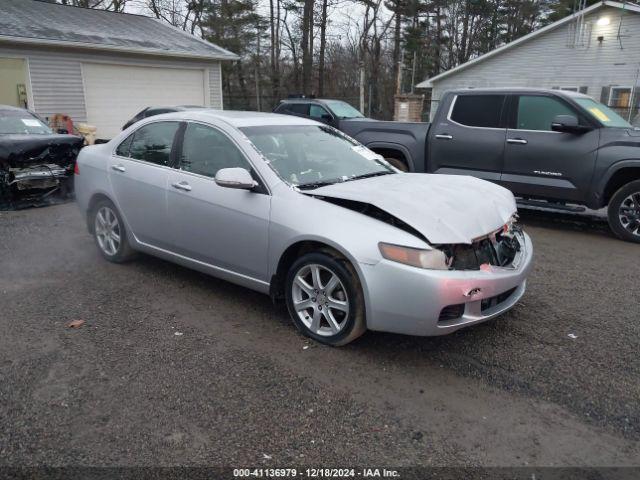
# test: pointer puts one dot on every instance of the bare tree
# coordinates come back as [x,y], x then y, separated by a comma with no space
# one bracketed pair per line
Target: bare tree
[307,45]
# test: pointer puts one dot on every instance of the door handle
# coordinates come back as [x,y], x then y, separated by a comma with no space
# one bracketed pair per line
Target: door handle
[444,136]
[182,186]
[519,141]
[118,168]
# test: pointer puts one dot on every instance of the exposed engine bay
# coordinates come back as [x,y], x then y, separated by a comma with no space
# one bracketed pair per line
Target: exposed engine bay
[36,169]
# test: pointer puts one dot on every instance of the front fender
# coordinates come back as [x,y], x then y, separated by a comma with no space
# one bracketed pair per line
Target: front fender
[608,174]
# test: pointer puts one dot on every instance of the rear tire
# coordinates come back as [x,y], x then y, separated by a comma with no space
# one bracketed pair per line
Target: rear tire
[399,164]
[109,232]
[324,298]
[624,212]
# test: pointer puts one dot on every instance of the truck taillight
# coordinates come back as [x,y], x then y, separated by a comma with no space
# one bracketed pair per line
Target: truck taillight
[76,169]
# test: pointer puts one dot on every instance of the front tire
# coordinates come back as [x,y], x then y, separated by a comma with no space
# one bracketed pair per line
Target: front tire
[110,233]
[624,212]
[324,298]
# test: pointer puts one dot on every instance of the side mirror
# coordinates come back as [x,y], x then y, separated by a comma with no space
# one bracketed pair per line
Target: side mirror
[567,124]
[238,178]
[325,117]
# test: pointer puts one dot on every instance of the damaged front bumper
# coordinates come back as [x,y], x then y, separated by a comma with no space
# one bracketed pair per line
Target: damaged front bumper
[36,169]
[415,301]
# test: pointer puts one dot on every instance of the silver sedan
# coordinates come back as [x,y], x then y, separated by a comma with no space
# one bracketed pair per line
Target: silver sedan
[297,210]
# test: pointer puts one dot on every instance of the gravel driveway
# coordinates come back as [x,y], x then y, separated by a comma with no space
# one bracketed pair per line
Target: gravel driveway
[176,368]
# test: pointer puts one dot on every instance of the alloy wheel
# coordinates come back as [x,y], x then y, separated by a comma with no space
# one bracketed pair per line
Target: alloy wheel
[107,230]
[320,300]
[629,213]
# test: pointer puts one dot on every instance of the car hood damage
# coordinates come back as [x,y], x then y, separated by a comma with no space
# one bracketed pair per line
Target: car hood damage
[444,209]
[36,169]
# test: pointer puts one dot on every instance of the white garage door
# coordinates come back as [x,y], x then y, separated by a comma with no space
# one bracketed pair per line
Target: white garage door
[115,93]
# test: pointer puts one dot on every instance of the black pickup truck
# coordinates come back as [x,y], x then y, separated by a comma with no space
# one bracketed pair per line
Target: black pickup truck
[549,147]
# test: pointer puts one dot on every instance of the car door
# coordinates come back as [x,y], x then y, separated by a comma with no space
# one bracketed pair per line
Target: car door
[540,162]
[139,173]
[470,139]
[222,227]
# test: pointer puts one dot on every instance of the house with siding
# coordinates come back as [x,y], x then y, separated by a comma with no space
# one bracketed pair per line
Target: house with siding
[101,67]
[595,51]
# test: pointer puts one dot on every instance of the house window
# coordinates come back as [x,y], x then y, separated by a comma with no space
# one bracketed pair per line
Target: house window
[620,97]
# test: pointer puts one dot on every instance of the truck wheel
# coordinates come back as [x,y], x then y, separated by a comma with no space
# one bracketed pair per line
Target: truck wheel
[624,212]
[399,164]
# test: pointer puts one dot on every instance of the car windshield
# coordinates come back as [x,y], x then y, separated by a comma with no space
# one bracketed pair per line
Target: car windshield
[343,109]
[14,122]
[602,113]
[308,156]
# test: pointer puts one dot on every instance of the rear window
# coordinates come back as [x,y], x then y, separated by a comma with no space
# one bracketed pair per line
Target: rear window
[478,110]
[299,108]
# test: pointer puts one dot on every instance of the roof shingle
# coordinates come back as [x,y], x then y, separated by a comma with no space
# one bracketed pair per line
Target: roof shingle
[50,23]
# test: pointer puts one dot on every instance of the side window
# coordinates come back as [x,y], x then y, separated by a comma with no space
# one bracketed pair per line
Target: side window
[123,148]
[206,150]
[478,110]
[537,112]
[299,108]
[316,111]
[153,142]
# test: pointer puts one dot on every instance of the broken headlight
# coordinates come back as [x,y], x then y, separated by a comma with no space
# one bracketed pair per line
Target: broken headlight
[416,257]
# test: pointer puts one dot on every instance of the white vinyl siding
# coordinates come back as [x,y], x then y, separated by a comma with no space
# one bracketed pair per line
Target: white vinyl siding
[57,87]
[545,61]
[215,86]
[56,84]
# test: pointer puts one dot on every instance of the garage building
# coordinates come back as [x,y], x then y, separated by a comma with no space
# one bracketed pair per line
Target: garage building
[101,67]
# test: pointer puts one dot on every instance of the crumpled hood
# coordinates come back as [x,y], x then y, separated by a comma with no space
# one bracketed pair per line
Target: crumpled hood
[444,208]
[21,150]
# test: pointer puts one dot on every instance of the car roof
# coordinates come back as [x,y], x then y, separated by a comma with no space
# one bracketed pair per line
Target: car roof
[309,100]
[567,93]
[177,108]
[239,118]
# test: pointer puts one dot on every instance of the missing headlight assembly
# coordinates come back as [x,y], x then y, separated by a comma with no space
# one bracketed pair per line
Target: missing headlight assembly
[498,249]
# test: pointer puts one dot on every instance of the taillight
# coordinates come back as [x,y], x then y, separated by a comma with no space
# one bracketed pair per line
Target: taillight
[76,169]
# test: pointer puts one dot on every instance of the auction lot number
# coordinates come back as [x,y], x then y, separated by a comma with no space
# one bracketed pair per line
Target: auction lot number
[313,473]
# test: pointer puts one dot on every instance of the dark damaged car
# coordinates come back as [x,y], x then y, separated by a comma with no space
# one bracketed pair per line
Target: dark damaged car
[36,164]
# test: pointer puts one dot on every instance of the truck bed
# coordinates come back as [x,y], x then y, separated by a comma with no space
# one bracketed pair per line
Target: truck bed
[407,137]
